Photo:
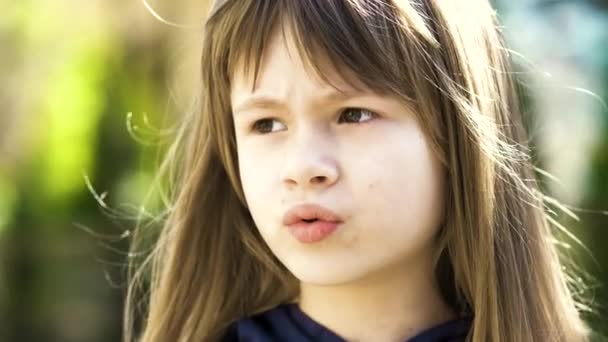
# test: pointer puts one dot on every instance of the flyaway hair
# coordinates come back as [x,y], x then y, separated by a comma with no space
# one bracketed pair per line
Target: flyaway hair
[497,259]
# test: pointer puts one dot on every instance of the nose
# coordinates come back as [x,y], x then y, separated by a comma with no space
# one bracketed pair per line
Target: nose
[309,163]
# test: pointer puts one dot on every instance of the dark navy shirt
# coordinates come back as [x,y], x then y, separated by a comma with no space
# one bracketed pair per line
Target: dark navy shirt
[287,323]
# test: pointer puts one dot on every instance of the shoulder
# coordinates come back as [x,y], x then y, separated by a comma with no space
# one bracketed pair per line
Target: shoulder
[231,334]
[259,327]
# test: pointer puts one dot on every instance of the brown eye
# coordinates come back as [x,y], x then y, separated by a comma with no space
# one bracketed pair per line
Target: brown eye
[356,115]
[264,126]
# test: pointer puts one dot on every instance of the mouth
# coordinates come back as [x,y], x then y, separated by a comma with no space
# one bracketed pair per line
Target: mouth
[312,230]
[309,213]
[310,223]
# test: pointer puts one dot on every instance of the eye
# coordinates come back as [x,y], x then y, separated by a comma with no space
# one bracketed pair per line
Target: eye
[349,115]
[264,126]
[356,115]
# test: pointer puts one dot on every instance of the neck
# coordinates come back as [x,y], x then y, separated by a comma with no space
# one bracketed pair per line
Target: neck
[391,305]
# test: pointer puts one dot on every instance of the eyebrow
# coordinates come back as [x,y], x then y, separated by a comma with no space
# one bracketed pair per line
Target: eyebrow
[268,101]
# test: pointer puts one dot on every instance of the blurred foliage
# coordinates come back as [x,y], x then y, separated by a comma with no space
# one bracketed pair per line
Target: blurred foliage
[74,78]
[71,73]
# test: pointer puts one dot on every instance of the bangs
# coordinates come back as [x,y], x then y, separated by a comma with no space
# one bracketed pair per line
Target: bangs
[369,43]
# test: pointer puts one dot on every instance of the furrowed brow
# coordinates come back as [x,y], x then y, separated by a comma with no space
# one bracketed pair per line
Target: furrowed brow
[266,101]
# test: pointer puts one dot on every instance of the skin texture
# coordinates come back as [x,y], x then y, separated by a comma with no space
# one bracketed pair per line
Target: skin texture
[372,279]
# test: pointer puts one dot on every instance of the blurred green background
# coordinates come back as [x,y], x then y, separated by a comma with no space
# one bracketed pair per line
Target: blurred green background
[86,89]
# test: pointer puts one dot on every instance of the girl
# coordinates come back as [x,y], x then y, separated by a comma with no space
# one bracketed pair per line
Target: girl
[357,171]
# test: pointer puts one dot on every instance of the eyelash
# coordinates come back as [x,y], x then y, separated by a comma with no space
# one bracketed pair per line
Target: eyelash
[373,115]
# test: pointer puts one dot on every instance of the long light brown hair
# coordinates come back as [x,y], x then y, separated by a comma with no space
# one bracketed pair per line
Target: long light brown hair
[497,259]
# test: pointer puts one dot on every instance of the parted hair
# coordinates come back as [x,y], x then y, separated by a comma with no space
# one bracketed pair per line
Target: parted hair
[496,260]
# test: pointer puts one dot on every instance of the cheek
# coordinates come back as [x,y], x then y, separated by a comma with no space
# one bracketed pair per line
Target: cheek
[257,175]
[248,174]
[403,189]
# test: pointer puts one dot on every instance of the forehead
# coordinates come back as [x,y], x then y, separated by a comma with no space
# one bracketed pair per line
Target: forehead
[283,62]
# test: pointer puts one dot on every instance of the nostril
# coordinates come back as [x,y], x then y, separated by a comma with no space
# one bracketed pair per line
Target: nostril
[319,179]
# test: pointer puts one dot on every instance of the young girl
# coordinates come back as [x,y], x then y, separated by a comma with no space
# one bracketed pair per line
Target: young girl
[357,171]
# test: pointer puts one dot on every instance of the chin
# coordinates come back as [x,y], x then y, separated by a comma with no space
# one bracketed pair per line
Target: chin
[326,276]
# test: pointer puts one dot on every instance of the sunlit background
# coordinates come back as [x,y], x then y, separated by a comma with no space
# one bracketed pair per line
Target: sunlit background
[87,88]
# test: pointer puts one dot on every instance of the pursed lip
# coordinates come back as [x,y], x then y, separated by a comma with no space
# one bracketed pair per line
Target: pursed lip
[309,211]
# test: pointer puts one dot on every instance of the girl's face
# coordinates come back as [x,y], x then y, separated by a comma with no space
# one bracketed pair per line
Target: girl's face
[363,156]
